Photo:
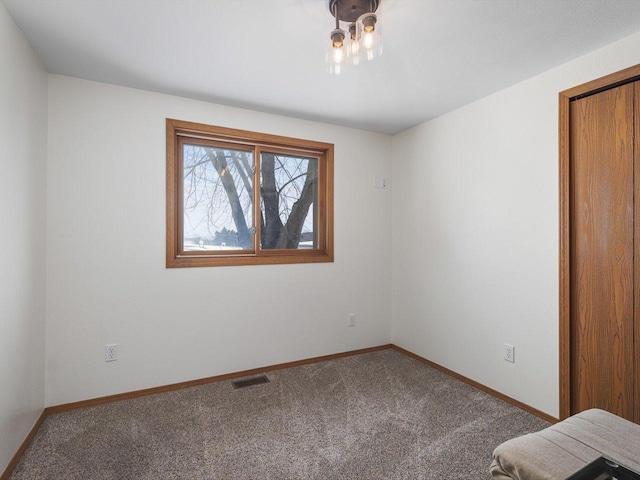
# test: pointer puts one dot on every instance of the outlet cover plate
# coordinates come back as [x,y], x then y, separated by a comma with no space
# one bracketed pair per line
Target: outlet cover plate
[509,353]
[111,352]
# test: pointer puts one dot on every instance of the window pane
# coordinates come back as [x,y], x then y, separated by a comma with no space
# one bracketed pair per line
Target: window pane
[289,201]
[217,198]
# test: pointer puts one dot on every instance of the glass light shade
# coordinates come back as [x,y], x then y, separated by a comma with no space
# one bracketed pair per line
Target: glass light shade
[337,54]
[353,45]
[369,35]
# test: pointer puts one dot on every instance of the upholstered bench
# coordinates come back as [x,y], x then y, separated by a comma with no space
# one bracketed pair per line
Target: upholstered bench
[559,451]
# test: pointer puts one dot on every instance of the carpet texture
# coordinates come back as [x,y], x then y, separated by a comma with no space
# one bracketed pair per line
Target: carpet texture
[380,415]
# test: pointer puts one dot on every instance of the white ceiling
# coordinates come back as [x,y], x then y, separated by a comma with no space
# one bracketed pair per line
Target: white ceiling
[268,55]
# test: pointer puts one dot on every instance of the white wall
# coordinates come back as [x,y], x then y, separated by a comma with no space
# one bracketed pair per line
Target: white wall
[106,252]
[475,232]
[23,139]
[474,243]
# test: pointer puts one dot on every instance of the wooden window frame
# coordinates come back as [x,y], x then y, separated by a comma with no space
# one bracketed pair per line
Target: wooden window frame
[178,130]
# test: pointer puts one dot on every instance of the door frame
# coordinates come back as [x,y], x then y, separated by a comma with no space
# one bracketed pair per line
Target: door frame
[564,122]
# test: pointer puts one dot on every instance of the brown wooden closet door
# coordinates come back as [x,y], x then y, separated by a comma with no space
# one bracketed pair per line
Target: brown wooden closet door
[636,163]
[602,251]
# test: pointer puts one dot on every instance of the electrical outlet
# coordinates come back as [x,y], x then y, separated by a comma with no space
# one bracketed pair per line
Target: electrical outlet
[111,353]
[509,353]
[352,319]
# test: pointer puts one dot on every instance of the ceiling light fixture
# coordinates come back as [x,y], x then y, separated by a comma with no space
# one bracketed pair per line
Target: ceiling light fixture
[362,41]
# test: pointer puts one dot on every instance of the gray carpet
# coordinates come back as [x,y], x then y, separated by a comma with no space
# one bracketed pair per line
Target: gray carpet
[380,415]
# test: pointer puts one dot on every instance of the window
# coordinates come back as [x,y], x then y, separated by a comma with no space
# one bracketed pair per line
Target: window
[243,198]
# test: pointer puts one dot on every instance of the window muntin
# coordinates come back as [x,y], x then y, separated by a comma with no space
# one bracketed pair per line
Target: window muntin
[213,202]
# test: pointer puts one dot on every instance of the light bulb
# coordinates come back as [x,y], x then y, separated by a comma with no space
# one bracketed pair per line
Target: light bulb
[355,53]
[367,40]
[338,55]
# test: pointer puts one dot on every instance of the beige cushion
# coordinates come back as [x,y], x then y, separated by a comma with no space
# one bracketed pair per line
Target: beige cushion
[559,451]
